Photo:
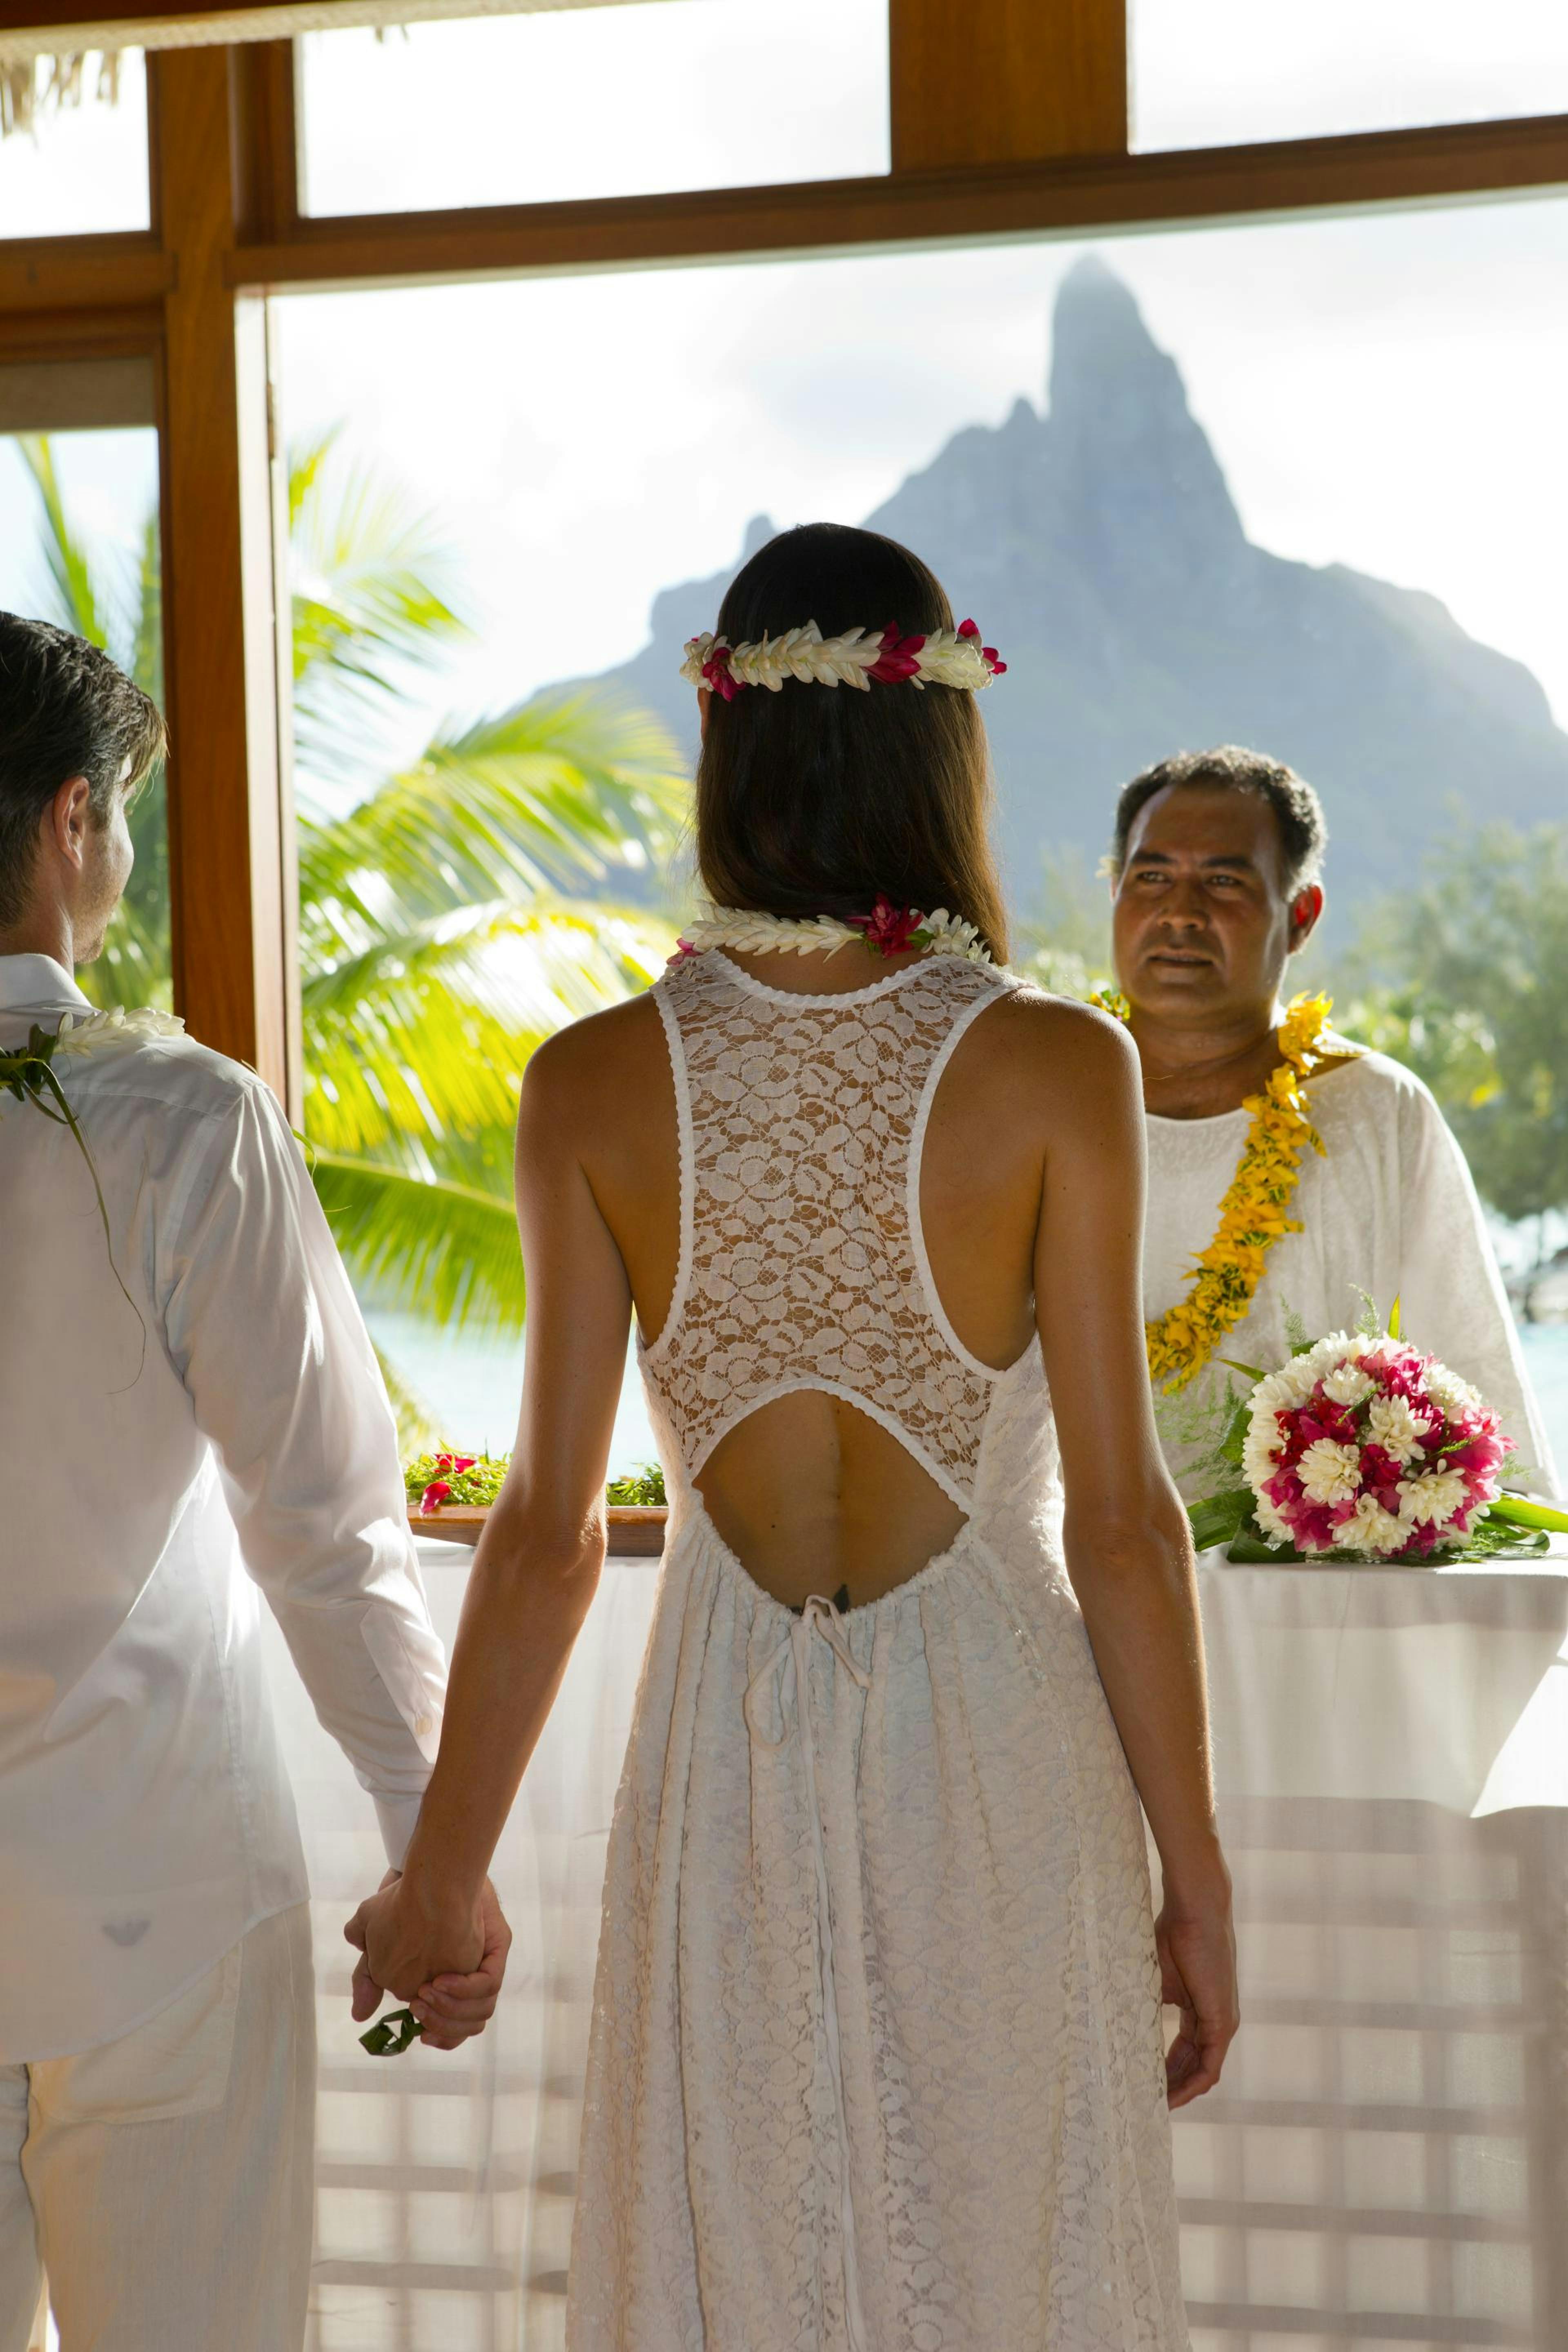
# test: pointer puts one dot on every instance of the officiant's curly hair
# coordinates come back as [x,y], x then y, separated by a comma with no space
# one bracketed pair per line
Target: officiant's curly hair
[1228,768]
[811,801]
[65,710]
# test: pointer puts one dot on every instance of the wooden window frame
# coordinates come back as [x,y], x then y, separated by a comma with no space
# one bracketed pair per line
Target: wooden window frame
[1020,128]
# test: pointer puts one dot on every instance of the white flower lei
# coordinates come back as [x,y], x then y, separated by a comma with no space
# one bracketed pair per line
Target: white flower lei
[940,934]
[945,658]
[117,1024]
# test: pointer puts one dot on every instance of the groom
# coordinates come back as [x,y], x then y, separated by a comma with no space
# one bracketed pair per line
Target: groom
[1216,865]
[189,1411]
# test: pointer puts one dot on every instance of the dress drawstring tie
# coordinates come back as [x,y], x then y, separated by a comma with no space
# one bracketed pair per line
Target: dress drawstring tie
[819,1618]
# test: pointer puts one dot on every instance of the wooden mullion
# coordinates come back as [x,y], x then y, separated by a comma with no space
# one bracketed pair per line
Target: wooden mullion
[1011,82]
[229,849]
[265,99]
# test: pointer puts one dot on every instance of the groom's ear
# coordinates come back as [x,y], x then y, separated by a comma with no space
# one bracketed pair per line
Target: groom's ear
[1305,910]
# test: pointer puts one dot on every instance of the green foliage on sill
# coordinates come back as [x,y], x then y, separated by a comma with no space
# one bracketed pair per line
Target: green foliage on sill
[645,1486]
[471,1482]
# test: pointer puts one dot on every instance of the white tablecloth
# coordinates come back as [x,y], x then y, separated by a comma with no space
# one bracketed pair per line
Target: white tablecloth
[1385,2163]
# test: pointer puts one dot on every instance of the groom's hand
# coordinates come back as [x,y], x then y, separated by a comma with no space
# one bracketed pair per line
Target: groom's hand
[448,1969]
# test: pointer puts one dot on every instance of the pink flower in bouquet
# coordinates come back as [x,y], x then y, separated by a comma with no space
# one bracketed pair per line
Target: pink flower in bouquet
[1368,1447]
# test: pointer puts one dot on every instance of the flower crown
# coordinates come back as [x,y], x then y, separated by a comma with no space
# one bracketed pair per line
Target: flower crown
[945,658]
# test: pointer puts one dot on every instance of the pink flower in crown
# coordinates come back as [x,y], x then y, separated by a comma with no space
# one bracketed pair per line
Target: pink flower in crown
[897,660]
[718,674]
[683,947]
[888,929]
[987,652]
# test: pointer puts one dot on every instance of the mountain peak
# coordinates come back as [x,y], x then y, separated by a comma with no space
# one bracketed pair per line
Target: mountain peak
[1123,437]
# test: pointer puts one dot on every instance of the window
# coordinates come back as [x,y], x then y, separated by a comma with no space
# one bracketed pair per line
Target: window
[591,100]
[1212,73]
[81,164]
[1295,485]
[78,546]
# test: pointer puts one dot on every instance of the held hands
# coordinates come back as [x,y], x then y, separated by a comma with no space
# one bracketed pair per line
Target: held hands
[447,1964]
[1197,1975]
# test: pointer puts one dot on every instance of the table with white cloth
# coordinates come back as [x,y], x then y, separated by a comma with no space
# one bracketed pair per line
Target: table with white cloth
[1386,2162]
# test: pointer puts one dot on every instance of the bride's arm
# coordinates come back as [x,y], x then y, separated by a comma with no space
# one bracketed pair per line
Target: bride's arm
[1127,1538]
[538,1560]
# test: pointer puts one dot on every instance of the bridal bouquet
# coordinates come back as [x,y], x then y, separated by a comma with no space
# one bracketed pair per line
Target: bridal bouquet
[1362,1448]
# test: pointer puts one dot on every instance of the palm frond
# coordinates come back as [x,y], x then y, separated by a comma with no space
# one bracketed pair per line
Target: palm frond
[371,598]
[547,796]
[421,1036]
[78,603]
[417,1431]
[446,1251]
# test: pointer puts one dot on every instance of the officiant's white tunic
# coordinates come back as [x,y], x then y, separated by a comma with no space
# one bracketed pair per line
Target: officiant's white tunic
[1389,1210]
[146,1819]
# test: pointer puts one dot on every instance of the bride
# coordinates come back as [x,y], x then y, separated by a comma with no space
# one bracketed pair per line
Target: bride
[877,2058]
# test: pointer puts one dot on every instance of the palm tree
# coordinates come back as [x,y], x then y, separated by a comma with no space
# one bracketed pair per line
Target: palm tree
[454,909]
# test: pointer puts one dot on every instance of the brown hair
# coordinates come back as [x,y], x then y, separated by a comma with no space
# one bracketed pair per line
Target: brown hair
[65,711]
[811,801]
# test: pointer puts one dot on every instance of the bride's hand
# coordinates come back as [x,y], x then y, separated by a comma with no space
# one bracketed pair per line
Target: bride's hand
[447,1964]
[1197,1975]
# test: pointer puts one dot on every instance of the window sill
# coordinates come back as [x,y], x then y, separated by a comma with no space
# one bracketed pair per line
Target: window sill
[636,1529]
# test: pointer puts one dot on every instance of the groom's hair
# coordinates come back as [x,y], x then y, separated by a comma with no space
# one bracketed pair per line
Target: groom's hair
[65,710]
[1298,811]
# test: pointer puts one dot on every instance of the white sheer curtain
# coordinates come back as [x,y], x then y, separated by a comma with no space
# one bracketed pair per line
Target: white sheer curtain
[445,2180]
[1387,2159]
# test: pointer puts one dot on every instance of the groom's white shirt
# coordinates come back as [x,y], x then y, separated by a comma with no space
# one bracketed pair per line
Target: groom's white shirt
[146,1820]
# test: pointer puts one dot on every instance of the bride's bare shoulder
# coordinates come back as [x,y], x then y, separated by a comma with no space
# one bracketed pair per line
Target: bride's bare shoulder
[614,1058]
[1058,1041]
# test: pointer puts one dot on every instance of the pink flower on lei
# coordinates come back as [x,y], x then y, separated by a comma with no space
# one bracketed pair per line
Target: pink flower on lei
[970,629]
[890,929]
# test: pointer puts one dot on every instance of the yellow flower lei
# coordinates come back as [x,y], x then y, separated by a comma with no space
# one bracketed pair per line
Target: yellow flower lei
[1252,1214]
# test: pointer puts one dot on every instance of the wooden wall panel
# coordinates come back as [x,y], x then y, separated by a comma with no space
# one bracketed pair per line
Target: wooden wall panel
[1010,81]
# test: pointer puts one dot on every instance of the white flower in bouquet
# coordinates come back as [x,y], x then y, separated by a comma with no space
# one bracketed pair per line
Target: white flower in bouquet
[1331,1473]
[1392,1425]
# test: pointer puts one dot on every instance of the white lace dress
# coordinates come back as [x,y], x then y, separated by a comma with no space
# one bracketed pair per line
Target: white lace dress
[876,2062]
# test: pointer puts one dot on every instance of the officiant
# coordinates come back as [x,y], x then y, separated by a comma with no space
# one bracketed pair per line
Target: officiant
[1290,1171]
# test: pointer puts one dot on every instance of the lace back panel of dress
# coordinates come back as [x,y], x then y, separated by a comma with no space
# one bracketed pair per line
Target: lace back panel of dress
[801,1267]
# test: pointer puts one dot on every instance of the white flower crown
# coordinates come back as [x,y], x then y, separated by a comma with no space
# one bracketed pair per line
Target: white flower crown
[943,657]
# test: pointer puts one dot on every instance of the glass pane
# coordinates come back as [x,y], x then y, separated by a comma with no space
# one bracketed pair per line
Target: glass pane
[1214,73]
[595,101]
[78,546]
[80,165]
[1298,486]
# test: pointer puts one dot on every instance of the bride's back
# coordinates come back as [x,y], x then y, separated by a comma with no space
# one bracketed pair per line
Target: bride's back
[829,1328]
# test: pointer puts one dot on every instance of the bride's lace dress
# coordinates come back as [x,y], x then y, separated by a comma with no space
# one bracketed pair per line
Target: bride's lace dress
[876,2062]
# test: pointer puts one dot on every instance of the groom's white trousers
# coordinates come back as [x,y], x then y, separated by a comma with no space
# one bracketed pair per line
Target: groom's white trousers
[164,2180]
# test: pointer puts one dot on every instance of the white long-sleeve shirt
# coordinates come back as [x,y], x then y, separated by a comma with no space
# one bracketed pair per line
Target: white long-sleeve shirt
[146,1819]
[1389,1211]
